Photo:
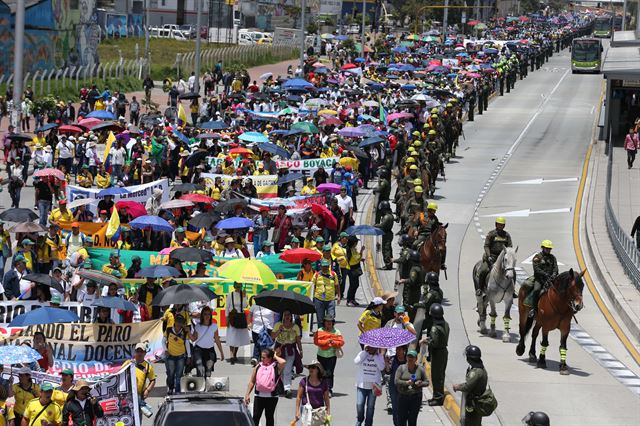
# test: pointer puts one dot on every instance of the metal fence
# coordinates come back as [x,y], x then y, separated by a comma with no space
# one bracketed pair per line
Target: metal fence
[42,81]
[185,63]
[622,242]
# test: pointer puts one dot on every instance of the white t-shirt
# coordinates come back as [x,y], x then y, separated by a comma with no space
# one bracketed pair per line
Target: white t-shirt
[345,203]
[85,298]
[206,335]
[261,318]
[369,369]
[65,149]
[117,156]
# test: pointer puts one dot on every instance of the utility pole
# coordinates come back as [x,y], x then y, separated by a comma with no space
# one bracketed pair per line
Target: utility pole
[147,25]
[303,6]
[624,16]
[364,15]
[445,18]
[18,54]
[196,84]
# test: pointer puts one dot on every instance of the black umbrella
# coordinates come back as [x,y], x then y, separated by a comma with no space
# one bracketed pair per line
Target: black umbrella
[291,177]
[285,300]
[191,254]
[189,96]
[18,215]
[27,227]
[187,187]
[182,294]
[114,302]
[204,220]
[20,137]
[44,279]
[359,152]
[224,206]
[195,158]
[107,125]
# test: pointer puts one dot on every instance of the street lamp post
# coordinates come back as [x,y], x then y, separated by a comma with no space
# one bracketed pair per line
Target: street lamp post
[196,84]
[303,6]
[18,54]
[364,14]
[147,25]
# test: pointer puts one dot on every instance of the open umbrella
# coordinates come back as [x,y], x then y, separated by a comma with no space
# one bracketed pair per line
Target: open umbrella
[214,125]
[299,255]
[352,132]
[189,96]
[44,279]
[386,337]
[19,137]
[331,121]
[285,300]
[194,159]
[44,315]
[250,271]
[46,127]
[229,205]
[305,127]
[114,302]
[357,151]
[266,75]
[69,129]
[204,220]
[253,137]
[373,140]
[100,277]
[49,172]
[197,198]
[133,208]
[334,188]
[399,115]
[158,271]
[289,177]
[183,294]
[18,215]
[18,354]
[27,227]
[101,114]
[364,230]
[297,83]
[191,254]
[329,219]
[114,190]
[89,122]
[187,187]
[241,151]
[107,125]
[274,149]
[80,202]
[154,222]
[235,223]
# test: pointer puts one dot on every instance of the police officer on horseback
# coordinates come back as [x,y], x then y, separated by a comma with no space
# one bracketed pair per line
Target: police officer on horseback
[496,240]
[545,269]
[427,225]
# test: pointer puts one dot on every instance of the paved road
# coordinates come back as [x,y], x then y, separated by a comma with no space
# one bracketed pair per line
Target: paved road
[541,131]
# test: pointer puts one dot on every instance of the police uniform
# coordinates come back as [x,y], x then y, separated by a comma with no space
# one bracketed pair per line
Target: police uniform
[495,241]
[433,295]
[412,287]
[386,224]
[545,266]
[474,386]
[438,341]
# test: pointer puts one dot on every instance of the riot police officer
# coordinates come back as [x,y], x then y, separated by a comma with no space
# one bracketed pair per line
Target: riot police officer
[438,340]
[386,225]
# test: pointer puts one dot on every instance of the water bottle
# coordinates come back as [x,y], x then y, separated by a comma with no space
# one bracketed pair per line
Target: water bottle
[146,410]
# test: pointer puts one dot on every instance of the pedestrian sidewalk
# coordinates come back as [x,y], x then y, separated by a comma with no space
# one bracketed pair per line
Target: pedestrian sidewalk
[609,277]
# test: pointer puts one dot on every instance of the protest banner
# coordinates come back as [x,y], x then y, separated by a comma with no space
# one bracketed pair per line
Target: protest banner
[10,309]
[265,184]
[139,193]
[100,257]
[306,165]
[116,394]
[93,349]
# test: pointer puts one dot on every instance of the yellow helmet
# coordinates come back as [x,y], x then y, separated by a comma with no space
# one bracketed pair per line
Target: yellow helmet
[434,115]
[426,125]
[501,220]
[434,110]
[411,149]
[453,100]
[415,153]
[546,244]
[449,105]
[417,182]
[417,143]
[416,133]
[413,167]
[432,132]
[432,206]
[411,160]
[418,189]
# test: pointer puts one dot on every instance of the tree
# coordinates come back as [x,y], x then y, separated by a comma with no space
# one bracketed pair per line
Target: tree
[529,6]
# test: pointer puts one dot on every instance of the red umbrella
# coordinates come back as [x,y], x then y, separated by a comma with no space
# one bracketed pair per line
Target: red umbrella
[69,129]
[134,208]
[241,151]
[90,122]
[49,172]
[473,23]
[329,218]
[299,255]
[523,19]
[331,121]
[197,198]
[348,66]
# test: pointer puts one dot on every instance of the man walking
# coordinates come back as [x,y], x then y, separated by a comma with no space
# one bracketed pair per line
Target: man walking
[438,340]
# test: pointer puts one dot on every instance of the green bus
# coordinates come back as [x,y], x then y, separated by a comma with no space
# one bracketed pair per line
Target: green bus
[586,55]
[602,27]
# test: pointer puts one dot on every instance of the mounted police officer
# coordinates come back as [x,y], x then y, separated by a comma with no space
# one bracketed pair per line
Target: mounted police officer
[474,385]
[496,240]
[437,340]
[427,224]
[545,269]
[386,225]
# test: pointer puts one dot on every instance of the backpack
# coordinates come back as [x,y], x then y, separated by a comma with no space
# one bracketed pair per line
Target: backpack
[268,379]
[486,403]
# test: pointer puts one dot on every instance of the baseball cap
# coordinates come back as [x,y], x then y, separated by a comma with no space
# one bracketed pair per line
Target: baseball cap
[67,371]
[326,247]
[141,347]
[24,370]
[400,309]
[378,301]
[343,234]
[324,262]
[55,299]
[412,353]
[27,242]
[46,387]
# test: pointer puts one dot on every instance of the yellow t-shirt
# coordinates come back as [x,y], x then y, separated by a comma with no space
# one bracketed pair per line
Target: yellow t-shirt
[24,396]
[59,396]
[8,414]
[339,253]
[288,335]
[169,317]
[369,321]
[325,286]
[58,215]
[109,268]
[144,372]
[175,342]
[308,190]
[52,414]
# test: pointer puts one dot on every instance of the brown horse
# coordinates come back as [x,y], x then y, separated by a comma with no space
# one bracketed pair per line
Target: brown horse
[556,308]
[434,250]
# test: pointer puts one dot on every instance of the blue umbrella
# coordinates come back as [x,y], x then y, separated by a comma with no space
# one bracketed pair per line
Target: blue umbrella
[294,98]
[352,132]
[297,83]
[23,354]
[289,177]
[274,149]
[158,271]
[114,190]
[364,230]
[408,87]
[375,86]
[253,137]
[491,50]
[400,49]
[154,222]
[46,127]
[115,302]
[341,37]
[235,223]
[359,60]
[373,140]
[322,70]
[46,315]
[101,114]
[406,67]
[214,125]
[181,136]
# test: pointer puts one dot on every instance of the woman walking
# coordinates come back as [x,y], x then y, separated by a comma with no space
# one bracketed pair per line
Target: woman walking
[286,334]
[354,257]
[264,379]
[410,378]
[329,341]
[204,335]
[237,330]
[313,397]
[631,144]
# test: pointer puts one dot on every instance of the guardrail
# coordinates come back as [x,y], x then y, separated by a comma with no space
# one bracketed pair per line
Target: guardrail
[185,63]
[623,244]
[42,81]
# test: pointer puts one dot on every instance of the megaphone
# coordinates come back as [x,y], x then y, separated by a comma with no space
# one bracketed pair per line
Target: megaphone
[193,384]
[218,384]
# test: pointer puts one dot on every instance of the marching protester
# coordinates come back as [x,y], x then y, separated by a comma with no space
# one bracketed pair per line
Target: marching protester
[81,408]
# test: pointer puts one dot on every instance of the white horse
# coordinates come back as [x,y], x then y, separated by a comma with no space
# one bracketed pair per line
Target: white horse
[500,286]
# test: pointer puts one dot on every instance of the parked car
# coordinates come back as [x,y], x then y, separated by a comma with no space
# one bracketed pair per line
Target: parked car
[201,408]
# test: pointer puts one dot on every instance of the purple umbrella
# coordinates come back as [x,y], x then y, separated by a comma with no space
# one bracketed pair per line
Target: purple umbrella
[329,187]
[386,338]
[235,223]
[352,132]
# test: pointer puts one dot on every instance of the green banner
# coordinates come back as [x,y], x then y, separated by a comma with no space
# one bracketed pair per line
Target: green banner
[100,257]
